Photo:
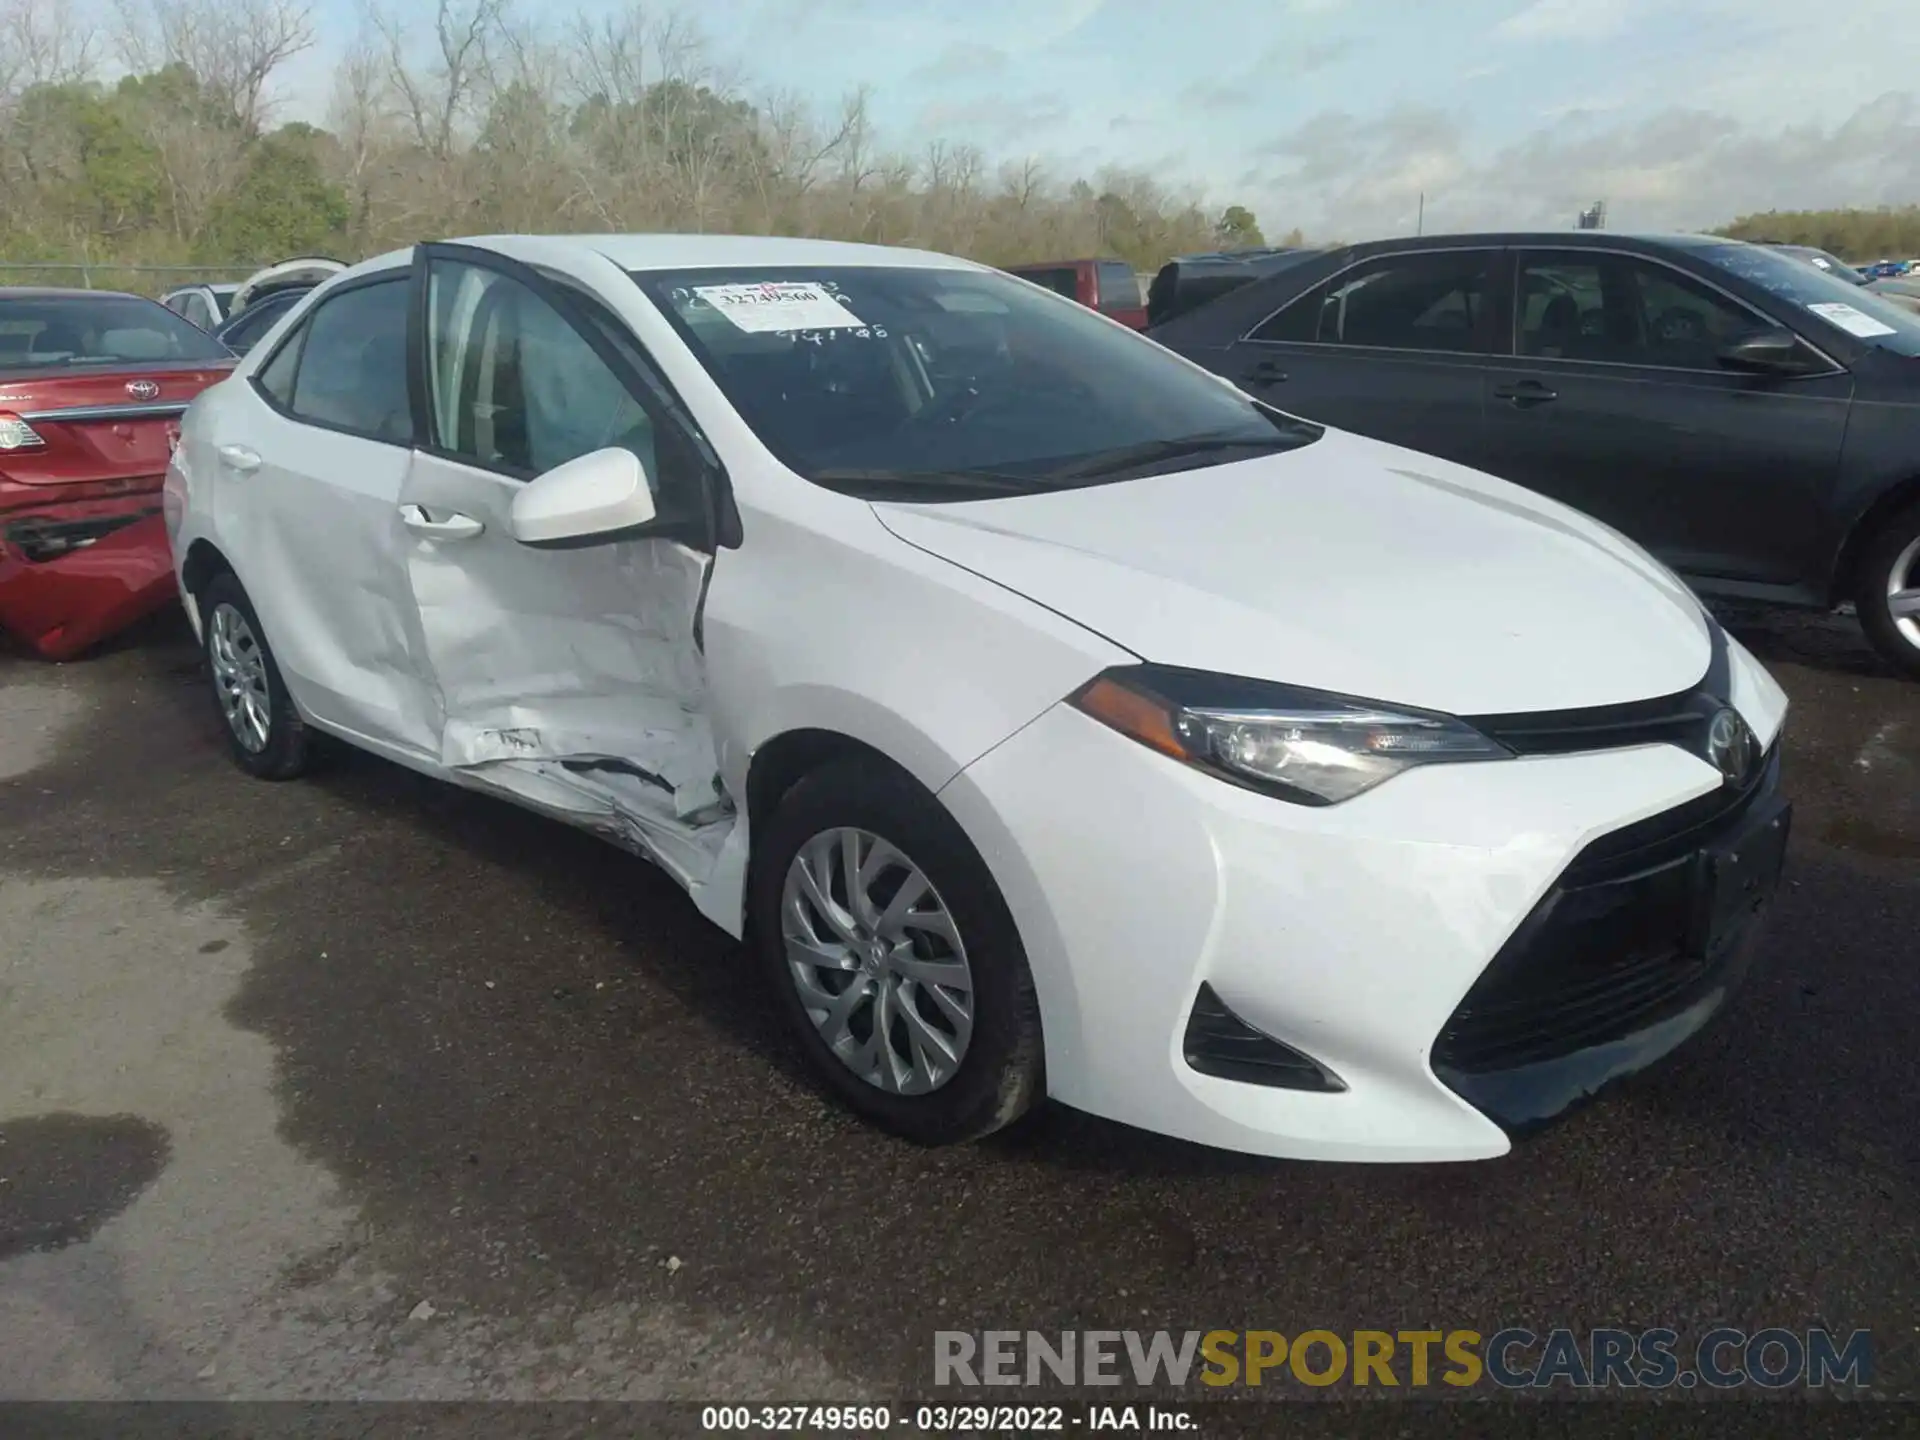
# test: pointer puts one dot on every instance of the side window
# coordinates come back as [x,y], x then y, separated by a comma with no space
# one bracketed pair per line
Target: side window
[1624,311]
[1119,289]
[352,372]
[1298,321]
[513,386]
[1563,311]
[1062,281]
[1686,323]
[1432,301]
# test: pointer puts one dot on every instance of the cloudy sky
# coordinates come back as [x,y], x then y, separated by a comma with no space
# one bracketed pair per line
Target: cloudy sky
[1335,115]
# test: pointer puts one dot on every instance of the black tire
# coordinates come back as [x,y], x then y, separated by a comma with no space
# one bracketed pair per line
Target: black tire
[289,748]
[1001,1073]
[1889,548]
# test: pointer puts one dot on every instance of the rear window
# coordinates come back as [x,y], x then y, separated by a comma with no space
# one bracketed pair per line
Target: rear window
[1061,279]
[82,331]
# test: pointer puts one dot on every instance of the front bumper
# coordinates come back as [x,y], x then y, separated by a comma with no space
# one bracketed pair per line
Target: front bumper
[1353,934]
[75,570]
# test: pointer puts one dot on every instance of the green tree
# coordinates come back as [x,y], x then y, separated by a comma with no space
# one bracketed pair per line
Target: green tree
[283,203]
[1236,229]
[93,162]
[1854,235]
[174,92]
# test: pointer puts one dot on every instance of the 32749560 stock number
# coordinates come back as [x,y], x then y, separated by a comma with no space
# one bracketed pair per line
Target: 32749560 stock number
[866,1419]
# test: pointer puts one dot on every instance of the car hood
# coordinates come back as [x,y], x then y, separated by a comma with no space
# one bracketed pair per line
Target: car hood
[1347,565]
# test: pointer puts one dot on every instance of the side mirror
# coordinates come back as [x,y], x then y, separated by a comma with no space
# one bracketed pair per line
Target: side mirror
[589,500]
[1765,352]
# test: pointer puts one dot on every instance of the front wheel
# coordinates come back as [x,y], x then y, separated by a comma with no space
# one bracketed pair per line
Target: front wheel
[894,957]
[1888,595]
[265,735]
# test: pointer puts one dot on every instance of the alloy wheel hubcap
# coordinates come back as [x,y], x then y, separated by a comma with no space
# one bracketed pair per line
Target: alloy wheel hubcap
[1903,593]
[877,961]
[240,677]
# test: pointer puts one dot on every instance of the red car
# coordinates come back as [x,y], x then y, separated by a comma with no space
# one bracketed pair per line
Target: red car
[92,387]
[1109,286]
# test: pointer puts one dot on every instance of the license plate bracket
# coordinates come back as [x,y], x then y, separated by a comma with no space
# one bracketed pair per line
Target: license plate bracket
[1738,877]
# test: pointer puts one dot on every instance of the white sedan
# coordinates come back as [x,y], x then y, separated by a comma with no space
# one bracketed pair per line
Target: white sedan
[1051,717]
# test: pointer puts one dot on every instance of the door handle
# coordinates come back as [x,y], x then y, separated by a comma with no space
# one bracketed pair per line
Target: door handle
[238,457]
[1525,394]
[1267,372]
[452,526]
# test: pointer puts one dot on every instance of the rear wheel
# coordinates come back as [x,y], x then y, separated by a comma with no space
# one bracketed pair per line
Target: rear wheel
[1888,595]
[265,735]
[894,957]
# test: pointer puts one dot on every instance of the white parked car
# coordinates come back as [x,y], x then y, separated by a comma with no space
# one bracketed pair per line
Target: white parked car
[1050,716]
[203,305]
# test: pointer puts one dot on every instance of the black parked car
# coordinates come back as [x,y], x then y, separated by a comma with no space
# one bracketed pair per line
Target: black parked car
[1752,421]
[247,329]
[1187,282]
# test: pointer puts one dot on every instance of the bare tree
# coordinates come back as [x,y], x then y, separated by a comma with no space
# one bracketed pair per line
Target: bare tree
[357,118]
[45,42]
[233,47]
[438,102]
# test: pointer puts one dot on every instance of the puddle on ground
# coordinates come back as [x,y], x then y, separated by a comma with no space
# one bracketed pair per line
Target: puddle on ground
[63,1176]
[1849,832]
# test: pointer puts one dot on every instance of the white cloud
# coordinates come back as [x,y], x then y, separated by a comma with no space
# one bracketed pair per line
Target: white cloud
[1569,20]
[1352,178]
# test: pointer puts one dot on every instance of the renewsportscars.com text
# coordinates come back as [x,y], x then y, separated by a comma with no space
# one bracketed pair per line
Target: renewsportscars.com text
[1513,1358]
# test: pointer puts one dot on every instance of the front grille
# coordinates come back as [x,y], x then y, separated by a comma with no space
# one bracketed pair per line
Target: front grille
[1613,951]
[1678,719]
[1679,831]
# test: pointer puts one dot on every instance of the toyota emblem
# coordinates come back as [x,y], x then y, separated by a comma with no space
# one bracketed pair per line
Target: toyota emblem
[143,389]
[1730,746]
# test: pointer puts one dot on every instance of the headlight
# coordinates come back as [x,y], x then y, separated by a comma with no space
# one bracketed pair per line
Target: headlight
[1301,745]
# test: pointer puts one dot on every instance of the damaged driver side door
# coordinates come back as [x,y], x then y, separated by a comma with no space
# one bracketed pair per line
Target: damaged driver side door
[571,678]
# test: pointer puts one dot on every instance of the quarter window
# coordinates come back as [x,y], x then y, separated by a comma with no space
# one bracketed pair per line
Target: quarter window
[276,376]
[352,371]
[1433,301]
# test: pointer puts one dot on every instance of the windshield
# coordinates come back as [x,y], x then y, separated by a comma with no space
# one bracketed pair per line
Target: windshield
[1830,263]
[71,331]
[1852,308]
[950,384]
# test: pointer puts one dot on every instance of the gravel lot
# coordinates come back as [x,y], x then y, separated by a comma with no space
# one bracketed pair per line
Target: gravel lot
[363,1086]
